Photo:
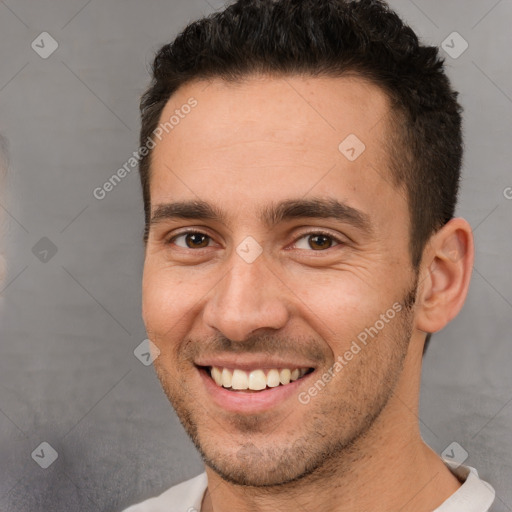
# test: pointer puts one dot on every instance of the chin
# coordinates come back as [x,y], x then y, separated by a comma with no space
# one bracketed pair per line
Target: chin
[258,464]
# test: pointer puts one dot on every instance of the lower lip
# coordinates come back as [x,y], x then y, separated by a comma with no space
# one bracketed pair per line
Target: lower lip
[250,403]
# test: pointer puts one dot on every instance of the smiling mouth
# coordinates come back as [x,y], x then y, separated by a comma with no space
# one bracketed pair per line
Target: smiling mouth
[238,380]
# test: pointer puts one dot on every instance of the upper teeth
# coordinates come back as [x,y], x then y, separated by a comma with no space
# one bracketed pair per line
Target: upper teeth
[256,379]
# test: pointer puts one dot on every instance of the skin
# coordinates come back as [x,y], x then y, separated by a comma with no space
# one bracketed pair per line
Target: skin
[246,146]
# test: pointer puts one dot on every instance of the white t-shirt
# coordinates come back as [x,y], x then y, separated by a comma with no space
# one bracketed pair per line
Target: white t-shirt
[474,495]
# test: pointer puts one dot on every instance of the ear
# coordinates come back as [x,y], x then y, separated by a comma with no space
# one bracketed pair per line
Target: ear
[445,274]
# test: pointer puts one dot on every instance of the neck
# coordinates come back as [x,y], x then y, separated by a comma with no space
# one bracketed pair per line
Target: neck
[389,469]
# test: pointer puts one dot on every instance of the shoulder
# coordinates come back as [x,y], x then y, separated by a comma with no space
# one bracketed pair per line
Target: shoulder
[474,495]
[184,497]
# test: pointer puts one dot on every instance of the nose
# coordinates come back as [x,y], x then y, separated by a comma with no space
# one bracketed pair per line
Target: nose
[249,297]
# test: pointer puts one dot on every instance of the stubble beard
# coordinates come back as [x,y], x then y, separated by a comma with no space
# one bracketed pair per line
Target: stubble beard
[329,439]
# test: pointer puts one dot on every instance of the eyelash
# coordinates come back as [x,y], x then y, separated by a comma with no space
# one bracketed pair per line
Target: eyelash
[336,240]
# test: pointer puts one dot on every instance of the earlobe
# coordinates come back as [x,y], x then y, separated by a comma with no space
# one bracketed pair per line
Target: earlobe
[447,266]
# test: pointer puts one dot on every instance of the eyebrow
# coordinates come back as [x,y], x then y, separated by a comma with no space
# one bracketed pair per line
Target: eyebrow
[271,215]
[316,208]
[186,210]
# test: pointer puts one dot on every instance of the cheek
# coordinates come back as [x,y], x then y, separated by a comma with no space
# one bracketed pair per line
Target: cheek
[340,308]
[170,298]
[332,298]
[163,312]
[162,299]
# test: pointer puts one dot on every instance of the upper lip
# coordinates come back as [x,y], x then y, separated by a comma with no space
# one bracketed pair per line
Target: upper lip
[255,362]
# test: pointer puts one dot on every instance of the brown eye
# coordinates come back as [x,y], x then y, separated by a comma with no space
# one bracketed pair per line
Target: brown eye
[192,240]
[319,242]
[316,242]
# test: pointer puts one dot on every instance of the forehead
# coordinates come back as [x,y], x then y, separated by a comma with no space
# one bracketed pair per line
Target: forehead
[286,110]
[274,137]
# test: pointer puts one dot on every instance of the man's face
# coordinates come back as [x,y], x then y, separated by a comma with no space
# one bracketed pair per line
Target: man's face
[275,280]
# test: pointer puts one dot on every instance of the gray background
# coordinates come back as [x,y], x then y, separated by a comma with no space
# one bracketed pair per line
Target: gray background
[71,321]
